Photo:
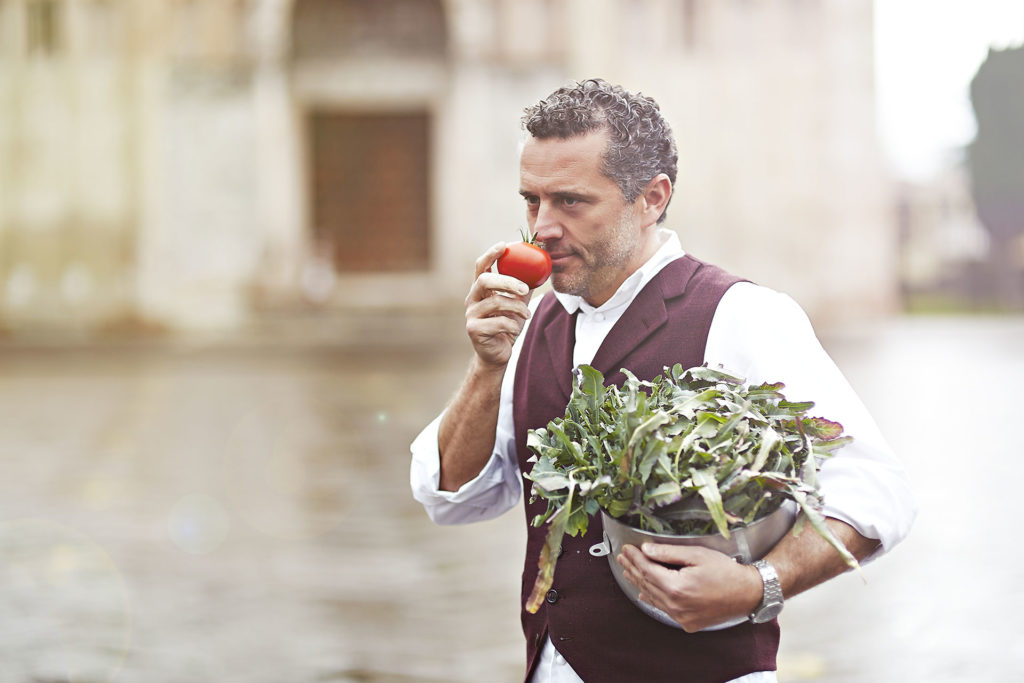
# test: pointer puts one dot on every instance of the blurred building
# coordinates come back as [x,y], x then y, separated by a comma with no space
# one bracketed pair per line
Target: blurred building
[198,164]
[944,249]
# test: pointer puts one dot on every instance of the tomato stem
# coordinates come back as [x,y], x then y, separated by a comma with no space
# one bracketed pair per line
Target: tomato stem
[531,239]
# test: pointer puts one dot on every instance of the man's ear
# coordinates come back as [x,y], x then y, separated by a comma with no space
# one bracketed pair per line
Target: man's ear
[655,198]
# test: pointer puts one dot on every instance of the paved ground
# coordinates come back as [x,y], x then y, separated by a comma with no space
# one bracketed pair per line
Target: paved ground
[241,513]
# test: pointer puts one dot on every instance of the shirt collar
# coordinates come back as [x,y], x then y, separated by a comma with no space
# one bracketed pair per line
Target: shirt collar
[669,251]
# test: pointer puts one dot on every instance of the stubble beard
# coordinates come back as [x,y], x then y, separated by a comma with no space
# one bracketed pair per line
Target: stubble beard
[600,266]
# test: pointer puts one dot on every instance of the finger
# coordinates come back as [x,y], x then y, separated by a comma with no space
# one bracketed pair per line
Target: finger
[629,556]
[655,573]
[488,284]
[486,328]
[648,578]
[652,594]
[641,571]
[487,259]
[498,305]
[678,555]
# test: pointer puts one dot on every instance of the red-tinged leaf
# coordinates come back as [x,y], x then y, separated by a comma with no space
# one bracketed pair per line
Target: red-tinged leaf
[823,429]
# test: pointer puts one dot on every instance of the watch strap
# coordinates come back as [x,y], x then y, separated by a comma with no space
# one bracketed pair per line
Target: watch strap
[771,600]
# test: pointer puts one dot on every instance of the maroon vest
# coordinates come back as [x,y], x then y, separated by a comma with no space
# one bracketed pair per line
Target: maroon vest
[593,625]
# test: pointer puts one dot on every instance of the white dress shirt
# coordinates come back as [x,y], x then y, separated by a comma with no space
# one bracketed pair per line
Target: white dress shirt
[756,333]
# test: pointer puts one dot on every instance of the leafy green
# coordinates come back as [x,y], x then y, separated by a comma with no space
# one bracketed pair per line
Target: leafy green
[691,452]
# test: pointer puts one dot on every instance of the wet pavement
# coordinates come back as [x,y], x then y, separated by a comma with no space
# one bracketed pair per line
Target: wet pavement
[240,512]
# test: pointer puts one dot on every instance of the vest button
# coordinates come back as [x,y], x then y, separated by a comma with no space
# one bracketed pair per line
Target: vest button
[552,596]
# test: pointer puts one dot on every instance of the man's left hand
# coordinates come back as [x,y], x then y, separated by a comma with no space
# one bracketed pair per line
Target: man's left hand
[700,588]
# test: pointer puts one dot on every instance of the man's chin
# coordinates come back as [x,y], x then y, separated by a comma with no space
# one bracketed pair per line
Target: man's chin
[563,284]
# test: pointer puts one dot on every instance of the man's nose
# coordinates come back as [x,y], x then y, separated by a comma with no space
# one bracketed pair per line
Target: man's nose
[547,226]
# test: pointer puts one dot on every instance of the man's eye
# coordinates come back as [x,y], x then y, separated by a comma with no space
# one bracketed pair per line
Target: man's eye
[531,201]
[570,201]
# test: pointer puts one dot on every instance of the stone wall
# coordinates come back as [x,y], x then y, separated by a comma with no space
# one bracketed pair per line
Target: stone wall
[154,156]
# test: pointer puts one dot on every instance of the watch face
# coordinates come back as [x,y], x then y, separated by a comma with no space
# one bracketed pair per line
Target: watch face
[767,613]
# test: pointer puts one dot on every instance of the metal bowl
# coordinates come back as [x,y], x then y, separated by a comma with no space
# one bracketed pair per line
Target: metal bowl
[745,544]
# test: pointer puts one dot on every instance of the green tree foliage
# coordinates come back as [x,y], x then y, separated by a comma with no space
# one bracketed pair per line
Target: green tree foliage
[996,161]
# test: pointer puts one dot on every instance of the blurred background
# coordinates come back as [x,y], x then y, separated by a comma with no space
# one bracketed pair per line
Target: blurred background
[234,240]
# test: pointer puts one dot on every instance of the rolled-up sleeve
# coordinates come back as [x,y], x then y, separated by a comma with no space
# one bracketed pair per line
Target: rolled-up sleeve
[766,337]
[495,490]
[498,486]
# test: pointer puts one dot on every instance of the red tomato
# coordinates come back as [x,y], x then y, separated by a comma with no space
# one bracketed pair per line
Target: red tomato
[527,262]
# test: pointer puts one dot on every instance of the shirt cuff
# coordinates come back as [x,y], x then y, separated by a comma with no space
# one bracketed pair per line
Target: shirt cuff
[886,514]
[486,496]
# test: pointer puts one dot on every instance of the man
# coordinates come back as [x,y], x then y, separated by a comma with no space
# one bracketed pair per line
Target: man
[597,172]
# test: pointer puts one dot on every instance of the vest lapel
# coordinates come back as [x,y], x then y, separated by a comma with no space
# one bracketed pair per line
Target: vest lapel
[558,338]
[644,316]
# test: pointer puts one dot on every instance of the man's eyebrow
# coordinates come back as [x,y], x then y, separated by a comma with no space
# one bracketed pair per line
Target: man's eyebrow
[572,193]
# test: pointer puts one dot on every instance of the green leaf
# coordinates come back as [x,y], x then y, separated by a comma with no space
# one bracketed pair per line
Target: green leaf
[769,440]
[817,521]
[827,448]
[647,426]
[708,490]
[693,402]
[801,407]
[618,507]
[692,451]
[653,450]
[577,522]
[664,494]
[713,375]
[591,384]
[551,481]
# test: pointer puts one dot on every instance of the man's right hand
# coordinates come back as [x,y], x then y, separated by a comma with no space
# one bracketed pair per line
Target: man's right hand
[496,310]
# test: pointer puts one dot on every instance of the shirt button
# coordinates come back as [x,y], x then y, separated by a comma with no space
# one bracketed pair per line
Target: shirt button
[599,317]
[552,596]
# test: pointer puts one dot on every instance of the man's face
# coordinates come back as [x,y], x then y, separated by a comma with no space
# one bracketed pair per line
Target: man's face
[593,235]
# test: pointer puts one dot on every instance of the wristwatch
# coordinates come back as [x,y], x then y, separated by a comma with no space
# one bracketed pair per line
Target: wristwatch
[771,603]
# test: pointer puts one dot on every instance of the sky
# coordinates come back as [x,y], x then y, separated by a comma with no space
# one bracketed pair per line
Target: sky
[926,52]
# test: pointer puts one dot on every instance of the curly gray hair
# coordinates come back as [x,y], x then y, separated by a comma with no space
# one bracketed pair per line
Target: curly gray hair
[640,140]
